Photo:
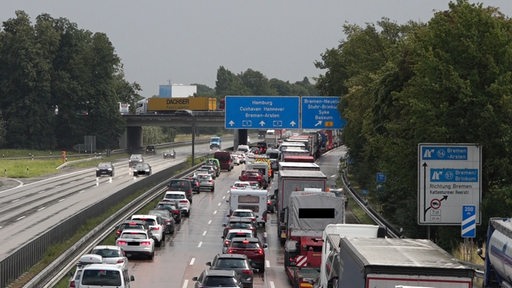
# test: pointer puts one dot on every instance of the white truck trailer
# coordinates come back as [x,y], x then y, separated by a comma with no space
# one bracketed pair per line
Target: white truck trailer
[331,237]
[389,263]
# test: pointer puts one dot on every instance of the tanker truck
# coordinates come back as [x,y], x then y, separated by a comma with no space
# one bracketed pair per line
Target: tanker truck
[498,253]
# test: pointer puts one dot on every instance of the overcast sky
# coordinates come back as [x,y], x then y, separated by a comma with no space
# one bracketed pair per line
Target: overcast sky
[186,41]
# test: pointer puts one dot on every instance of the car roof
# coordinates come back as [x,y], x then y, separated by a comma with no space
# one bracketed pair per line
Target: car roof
[103,267]
[235,256]
[243,210]
[113,247]
[135,231]
[250,239]
[144,216]
[237,230]
[222,273]
[239,219]
[174,192]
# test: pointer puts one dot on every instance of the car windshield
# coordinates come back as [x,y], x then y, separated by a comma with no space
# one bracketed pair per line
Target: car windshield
[244,244]
[174,196]
[238,234]
[133,235]
[107,253]
[101,277]
[230,263]
[104,165]
[217,281]
[243,214]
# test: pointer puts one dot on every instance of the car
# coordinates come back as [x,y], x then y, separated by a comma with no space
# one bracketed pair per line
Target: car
[105,169]
[135,159]
[243,148]
[111,254]
[142,169]
[136,242]
[169,154]
[84,260]
[215,162]
[237,262]
[206,182]
[183,203]
[171,206]
[253,176]
[132,224]
[244,213]
[236,159]
[217,278]
[239,223]
[150,149]
[184,185]
[224,157]
[241,185]
[156,226]
[232,233]
[105,276]
[215,168]
[271,203]
[252,247]
[170,223]
[194,181]
[207,169]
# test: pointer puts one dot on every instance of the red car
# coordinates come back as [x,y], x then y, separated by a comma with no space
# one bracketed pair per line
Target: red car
[253,176]
[251,247]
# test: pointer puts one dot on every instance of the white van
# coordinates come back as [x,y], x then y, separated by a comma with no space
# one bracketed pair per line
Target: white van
[104,276]
[254,199]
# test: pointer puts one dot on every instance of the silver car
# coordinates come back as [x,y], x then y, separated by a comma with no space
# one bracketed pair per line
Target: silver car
[206,182]
[136,242]
[111,254]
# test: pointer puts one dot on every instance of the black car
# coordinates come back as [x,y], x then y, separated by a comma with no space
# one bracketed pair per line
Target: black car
[105,169]
[240,263]
[150,149]
[169,154]
[170,222]
[142,169]
[184,185]
[218,278]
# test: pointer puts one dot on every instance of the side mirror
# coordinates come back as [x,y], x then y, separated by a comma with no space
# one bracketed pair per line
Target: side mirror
[208,263]
[132,278]
[194,278]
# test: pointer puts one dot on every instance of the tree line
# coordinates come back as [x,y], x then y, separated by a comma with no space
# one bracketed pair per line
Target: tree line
[59,83]
[445,81]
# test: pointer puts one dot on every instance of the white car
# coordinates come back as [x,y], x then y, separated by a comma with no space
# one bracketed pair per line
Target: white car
[105,275]
[111,254]
[86,259]
[183,203]
[241,185]
[156,225]
[136,241]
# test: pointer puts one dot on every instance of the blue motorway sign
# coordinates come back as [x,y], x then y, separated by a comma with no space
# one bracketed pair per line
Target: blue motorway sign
[262,112]
[444,153]
[321,113]
[380,177]
[468,224]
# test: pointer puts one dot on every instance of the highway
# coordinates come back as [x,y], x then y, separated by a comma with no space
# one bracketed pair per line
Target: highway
[32,208]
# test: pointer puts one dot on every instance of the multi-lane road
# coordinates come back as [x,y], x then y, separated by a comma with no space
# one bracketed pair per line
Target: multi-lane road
[29,209]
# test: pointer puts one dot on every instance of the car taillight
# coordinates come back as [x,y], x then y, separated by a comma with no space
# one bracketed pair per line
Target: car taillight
[72,284]
[226,243]
[121,243]
[183,201]
[230,250]
[155,228]
[260,251]
[119,261]
[247,272]
[145,243]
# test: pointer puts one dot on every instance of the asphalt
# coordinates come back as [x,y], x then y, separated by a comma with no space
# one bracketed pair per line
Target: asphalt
[8,183]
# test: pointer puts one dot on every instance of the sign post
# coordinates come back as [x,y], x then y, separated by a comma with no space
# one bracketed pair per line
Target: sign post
[449,176]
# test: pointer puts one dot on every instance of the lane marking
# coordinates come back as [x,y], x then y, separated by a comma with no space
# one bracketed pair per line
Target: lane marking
[62,199]
[185,284]
[214,212]
[192,261]
[200,244]
[210,222]
[204,233]
[15,200]
[219,204]
[272,284]
[42,208]
[20,218]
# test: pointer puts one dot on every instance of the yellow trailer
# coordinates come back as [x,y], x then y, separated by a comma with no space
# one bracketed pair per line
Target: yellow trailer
[163,105]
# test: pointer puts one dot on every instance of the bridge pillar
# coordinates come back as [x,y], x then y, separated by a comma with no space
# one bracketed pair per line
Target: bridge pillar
[134,138]
[242,137]
[123,140]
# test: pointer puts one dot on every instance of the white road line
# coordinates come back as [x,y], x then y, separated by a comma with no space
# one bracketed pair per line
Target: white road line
[271,284]
[214,212]
[219,204]
[204,233]
[209,222]
[42,208]
[267,263]
[192,261]
[15,200]
[61,199]
[20,218]
[200,244]
[185,284]
[81,191]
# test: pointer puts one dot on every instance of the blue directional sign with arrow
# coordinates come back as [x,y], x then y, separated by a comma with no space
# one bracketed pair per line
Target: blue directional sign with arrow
[262,112]
[321,113]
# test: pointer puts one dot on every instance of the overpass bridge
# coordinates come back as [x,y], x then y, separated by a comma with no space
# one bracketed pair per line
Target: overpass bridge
[132,138]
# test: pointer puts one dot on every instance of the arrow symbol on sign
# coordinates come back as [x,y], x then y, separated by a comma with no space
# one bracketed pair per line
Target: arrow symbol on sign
[318,123]
[262,123]
[293,123]
[231,123]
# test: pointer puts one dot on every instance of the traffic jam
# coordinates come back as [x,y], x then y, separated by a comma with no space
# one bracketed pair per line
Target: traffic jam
[250,199]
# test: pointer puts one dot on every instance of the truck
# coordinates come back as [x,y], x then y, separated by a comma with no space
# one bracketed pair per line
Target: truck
[309,213]
[160,105]
[498,253]
[398,262]
[290,181]
[254,199]
[331,237]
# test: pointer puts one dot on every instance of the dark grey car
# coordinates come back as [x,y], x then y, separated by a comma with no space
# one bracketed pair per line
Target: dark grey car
[217,278]
[237,262]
